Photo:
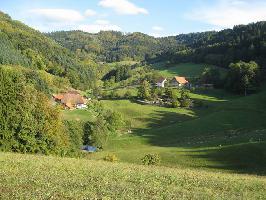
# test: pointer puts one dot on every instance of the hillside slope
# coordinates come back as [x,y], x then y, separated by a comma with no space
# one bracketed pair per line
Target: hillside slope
[22,45]
[40,177]
[243,42]
[227,133]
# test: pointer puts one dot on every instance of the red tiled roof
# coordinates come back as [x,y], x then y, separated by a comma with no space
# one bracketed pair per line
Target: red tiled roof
[70,99]
[180,79]
[58,96]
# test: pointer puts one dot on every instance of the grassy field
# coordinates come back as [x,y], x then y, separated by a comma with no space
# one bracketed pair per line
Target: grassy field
[228,133]
[78,115]
[184,69]
[43,177]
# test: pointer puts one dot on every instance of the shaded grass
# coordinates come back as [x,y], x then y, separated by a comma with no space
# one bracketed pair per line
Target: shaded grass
[205,138]
[41,177]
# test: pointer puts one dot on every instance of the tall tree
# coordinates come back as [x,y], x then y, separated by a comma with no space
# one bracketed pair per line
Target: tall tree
[243,77]
[144,90]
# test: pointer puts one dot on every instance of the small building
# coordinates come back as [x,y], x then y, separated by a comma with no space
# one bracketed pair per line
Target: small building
[161,82]
[179,81]
[71,100]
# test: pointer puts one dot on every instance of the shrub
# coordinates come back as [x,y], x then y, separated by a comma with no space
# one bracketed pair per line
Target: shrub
[114,95]
[115,120]
[151,159]
[175,104]
[185,103]
[128,94]
[74,130]
[111,158]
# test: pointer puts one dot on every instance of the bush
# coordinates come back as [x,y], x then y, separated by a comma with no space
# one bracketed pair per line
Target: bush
[75,132]
[185,103]
[185,100]
[128,94]
[151,159]
[111,158]
[175,104]
[114,95]
[114,120]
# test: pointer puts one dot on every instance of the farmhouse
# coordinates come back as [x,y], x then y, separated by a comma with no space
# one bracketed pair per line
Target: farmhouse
[71,100]
[178,81]
[161,82]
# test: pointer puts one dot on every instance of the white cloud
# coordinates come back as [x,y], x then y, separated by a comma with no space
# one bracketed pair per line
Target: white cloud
[89,13]
[57,15]
[123,7]
[157,28]
[99,25]
[102,22]
[227,13]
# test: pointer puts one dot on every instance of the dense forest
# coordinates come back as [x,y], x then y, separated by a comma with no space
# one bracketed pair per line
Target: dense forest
[108,46]
[24,46]
[243,42]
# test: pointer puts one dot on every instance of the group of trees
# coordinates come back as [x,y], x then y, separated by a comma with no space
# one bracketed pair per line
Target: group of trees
[28,121]
[171,96]
[24,46]
[109,46]
[106,122]
[243,77]
[243,42]
[118,74]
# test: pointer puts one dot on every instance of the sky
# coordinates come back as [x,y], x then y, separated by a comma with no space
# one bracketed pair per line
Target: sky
[154,17]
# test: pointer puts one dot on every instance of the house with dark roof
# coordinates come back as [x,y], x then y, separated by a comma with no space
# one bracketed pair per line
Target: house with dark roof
[71,100]
[179,81]
[161,82]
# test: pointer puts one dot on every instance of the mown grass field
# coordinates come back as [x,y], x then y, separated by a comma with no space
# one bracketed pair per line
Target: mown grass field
[189,70]
[227,134]
[43,177]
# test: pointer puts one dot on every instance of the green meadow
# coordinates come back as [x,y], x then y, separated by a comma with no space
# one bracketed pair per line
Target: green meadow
[188,70]
[227,134]
[45,177]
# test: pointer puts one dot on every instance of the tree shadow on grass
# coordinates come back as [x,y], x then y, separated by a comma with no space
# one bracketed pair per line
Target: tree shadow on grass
[249,158]
[225,149]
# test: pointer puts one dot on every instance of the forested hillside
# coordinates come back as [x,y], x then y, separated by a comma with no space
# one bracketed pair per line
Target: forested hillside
[22,45]
[109,46]
[243,42]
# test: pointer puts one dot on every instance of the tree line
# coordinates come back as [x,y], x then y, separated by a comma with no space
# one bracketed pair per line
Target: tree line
[243,42]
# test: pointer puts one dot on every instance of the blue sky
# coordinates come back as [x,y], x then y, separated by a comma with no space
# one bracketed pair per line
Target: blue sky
[154,17]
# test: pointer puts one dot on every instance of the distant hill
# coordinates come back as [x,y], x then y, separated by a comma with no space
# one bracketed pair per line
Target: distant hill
[110,46]
[243,42]
[22,45]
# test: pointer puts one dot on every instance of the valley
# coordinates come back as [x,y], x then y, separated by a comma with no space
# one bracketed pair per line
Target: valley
[126,115]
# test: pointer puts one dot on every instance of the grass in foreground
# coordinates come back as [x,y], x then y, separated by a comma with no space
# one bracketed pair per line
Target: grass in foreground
[41,177]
